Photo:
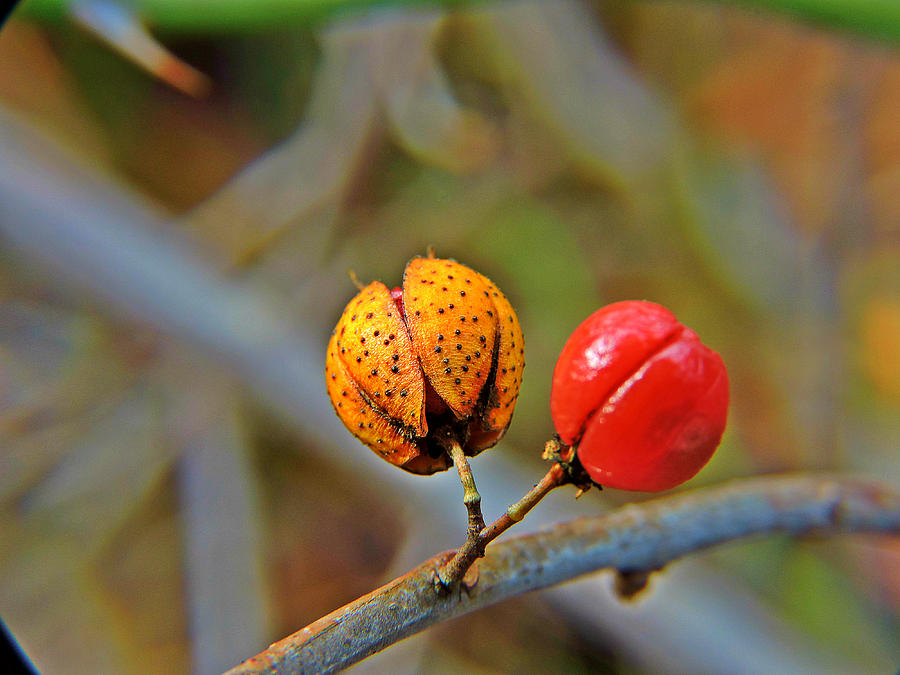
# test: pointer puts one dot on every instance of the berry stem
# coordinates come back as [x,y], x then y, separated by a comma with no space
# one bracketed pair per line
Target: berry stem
[555,477]
[454,570]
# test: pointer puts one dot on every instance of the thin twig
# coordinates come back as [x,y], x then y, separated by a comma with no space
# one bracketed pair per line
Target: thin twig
[452,572]
[471,498]
[639,538]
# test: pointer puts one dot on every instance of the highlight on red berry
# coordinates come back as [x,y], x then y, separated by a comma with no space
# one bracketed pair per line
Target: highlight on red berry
[640,397]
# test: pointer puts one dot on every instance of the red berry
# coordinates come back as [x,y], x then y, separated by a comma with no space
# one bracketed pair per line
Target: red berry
[642,399]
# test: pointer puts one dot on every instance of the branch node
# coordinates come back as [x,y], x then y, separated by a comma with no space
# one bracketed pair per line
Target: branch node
[566,457]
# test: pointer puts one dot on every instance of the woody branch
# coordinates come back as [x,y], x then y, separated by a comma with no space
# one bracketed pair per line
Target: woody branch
[634,540]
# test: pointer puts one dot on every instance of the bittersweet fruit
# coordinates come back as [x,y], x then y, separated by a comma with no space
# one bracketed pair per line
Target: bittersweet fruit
[642,400]
[444,353]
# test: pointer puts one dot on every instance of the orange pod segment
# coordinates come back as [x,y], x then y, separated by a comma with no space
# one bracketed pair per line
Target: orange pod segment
[452,322]
[374,347]
[367,424]
[510,361]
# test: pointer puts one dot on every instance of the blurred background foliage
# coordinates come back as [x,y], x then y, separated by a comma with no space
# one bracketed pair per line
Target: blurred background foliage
[166,507]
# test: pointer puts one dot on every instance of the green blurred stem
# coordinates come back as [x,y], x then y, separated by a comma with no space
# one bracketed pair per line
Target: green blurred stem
[230,16]
[876,19]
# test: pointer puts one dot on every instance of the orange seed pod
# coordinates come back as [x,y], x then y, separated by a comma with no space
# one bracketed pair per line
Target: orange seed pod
[445,352]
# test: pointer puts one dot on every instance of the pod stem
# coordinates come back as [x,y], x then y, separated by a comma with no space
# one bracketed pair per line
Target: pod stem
[471,498]
[455,569]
